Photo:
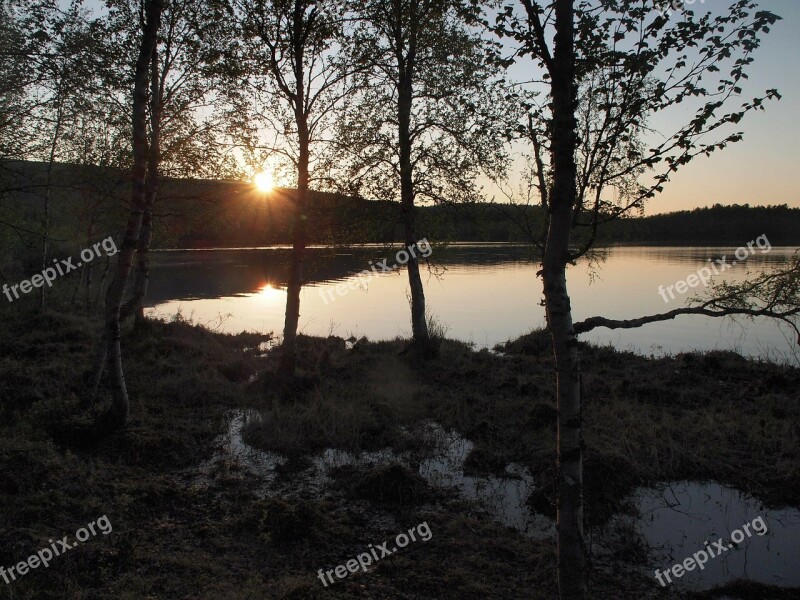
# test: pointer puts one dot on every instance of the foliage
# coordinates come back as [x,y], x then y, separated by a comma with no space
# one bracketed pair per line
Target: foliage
[632,64]
[456,95]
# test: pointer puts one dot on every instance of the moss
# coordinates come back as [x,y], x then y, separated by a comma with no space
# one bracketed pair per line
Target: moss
[481,461]
[282,523]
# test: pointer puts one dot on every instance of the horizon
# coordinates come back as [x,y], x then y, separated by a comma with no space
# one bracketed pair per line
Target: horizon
[248,183]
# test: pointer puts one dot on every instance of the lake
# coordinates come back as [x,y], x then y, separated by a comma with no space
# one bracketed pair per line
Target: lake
[481,294]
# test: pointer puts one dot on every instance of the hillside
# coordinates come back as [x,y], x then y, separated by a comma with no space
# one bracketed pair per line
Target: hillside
[91,202]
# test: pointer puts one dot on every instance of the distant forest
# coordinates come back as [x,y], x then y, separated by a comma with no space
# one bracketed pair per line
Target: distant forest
[734,224]
[89,203]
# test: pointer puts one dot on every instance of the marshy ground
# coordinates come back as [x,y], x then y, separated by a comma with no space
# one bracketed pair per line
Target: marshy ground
[192,522]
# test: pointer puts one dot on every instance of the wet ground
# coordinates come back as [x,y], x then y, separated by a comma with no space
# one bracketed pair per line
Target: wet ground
[673,520]
[230,483]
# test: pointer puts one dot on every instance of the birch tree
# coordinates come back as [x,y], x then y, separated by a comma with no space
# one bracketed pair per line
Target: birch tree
[289,63]
[425,125]
[66,78]
[110,345]
[16,69]
[185,123]
[48,71]
[606,67]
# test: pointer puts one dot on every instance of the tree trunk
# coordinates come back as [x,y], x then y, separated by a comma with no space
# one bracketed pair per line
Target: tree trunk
[135,306]
[47,191]
[295,283]
[117,416]
[89,270]
[420,337]
[288,362]
[569,526]
[78,287]
[101,285]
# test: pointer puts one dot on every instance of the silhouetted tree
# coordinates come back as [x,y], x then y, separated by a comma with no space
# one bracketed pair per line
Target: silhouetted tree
[425,125]
[184,133]
[48,71]
[290,63]
[111,347]
[633,61]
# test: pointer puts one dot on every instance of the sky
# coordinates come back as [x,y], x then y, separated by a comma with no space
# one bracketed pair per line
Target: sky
[757,170]
[760,169]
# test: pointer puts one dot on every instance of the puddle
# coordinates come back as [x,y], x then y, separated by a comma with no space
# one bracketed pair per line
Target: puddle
[265,347]
[503,497]
[677,519]
[673,520]
[233,452]
[332,458]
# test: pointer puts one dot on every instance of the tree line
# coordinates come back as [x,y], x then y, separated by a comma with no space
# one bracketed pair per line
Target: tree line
[200,214]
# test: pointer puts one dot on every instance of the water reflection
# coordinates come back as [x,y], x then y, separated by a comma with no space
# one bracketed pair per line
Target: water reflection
[212,274]
[504,497]
[679,518]
[483,295]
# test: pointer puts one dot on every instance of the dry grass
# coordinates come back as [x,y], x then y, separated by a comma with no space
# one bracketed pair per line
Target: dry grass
[713,416]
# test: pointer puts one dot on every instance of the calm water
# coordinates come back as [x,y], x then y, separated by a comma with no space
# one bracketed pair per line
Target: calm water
[678,519]
[484,295]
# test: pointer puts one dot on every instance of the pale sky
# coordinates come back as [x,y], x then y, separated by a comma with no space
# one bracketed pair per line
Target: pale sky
[758,170]
[761,168]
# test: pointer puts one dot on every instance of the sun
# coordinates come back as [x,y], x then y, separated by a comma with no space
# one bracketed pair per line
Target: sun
[263,181]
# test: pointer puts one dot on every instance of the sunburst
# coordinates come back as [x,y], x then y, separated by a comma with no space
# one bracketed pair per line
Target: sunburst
[264,181]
